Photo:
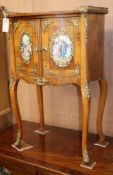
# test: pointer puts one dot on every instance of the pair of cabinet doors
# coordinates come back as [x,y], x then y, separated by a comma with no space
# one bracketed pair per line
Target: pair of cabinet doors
[48,48]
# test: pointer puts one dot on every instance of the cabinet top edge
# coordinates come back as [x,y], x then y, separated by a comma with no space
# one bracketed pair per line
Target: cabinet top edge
[81,10]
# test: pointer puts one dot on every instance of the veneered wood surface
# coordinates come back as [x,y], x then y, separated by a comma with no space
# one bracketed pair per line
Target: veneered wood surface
[95,49]
[58,75]
[30,27]
[56,153]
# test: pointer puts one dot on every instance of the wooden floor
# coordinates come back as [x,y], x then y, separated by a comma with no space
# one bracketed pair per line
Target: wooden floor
[59,152]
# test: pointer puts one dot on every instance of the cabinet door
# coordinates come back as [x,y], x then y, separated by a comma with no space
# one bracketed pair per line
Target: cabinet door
[26,46]
[61,49]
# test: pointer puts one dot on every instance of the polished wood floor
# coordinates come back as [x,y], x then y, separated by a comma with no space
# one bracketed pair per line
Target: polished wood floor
[58,152]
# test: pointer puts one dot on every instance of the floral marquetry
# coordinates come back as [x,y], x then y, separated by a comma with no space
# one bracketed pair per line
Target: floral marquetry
[61,48]
[26,47]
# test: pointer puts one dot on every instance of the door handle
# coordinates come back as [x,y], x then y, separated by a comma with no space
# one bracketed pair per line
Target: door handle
[43,50]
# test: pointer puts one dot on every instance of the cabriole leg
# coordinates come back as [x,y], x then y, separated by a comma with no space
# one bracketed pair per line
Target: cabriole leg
[87,163]
[103,94]
[19,144]
[41,130]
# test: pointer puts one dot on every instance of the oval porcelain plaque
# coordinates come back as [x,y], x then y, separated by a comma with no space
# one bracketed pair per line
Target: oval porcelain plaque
[61,48]
[26,47]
